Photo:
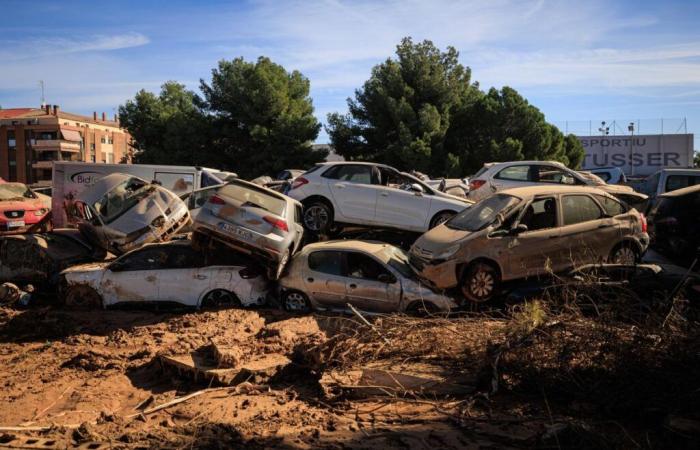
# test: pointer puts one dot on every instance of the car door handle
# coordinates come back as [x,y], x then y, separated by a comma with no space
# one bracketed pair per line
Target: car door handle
[151,278]
[384,194]
[201,277]
[310,280]
[353,286]
[339,185]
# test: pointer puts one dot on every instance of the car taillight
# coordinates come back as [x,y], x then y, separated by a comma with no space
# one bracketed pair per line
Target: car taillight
[216,200]
[644,223]
[475,184]
[299,182]
[277,223]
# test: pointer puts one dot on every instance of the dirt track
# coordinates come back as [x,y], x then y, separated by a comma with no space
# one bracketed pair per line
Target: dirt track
[88,375]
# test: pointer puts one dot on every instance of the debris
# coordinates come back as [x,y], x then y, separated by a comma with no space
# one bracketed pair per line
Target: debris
[366,322]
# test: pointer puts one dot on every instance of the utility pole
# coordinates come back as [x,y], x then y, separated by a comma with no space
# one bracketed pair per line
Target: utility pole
[630,128]
[43,100]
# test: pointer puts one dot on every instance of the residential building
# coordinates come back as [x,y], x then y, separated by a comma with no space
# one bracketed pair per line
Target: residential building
[31,138]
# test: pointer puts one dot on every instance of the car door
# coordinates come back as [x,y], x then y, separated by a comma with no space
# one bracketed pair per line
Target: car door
[535,251]
[370,286]
[399,206]
[588,235]
[324,278]
[183,278]
[354,192]
[134,276]
[518,175]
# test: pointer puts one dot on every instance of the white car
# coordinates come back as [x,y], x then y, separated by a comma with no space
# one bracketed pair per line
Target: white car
[362,193]
[611,175]
[167,272]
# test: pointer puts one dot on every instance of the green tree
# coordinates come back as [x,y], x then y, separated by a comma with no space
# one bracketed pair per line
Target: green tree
[696,160]
[168,128]
[422,111]
[263,117]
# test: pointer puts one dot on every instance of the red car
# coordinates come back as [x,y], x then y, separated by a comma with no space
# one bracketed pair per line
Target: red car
[21,210]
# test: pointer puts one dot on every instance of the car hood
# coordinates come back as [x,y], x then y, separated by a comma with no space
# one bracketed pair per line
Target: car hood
[147,210]
[414,290]
[86,268]
[458,201]
[438,238]
[28,204]
[618,189]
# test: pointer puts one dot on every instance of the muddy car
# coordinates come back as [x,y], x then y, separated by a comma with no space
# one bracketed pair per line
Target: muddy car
[674,223]
[254,220]
[526,232]
[38,258]
[121,212]
[22,210]
[371,276]
[170,272]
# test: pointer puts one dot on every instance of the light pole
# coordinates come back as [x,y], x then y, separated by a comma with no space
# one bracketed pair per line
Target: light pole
[630,128]
[604,131]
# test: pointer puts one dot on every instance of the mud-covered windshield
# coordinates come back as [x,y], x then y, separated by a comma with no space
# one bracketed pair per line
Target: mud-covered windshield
[121,198]
[483,213]
[15,191]
[398,259]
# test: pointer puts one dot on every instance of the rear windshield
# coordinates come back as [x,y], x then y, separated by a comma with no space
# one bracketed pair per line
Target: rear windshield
[483,213]
[258,198]
[482,170]
[15,191]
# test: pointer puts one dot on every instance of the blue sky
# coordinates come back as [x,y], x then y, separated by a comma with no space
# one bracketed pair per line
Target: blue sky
[575,60]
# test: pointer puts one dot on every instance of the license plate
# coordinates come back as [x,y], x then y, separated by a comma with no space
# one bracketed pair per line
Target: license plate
[247,235]
[15,223]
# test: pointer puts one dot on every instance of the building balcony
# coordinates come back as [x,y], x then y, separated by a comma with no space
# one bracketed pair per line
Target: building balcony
[55,145]
[42,165]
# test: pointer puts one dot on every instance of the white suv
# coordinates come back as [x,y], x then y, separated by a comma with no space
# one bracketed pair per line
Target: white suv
[371,194]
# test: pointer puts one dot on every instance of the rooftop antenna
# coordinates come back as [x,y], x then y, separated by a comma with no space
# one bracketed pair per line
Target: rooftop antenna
[43,100]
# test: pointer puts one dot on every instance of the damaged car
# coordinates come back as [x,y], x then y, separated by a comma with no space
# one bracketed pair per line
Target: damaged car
[254,220]
[528,232]
[674,223]
[371,276]
[22,210]
[170,272]
[121,212]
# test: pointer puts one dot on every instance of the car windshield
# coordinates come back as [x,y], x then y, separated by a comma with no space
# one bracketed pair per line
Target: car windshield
[15,191]
[483,213]
[398,259]
[121,198]
[254,197]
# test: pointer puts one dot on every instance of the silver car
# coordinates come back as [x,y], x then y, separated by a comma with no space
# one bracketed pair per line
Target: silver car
[254,220]
[121,212]
[371,276]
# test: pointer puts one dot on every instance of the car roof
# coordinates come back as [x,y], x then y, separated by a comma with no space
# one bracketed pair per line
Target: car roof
[540,189]
[354,163]
[100,187]
[531,162]
[683,191]
[372,247]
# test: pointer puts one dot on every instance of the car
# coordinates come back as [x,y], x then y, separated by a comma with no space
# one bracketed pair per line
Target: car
[371,276]
[527,232]
[289,174]
[252,219]
[674,223]
[639,201]
[38,258]
[21,210]
[610,175]
[370,194]
[171,272]
[121,212]
[495,177]
[667,180]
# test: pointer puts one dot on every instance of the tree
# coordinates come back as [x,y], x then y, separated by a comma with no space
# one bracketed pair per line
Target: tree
[168,128]
[696,160]
[422,111]
[263,117]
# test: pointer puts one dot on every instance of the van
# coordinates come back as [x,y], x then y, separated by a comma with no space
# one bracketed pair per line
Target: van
[667,180]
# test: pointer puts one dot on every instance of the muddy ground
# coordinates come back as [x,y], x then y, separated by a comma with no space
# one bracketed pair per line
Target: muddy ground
[529,378]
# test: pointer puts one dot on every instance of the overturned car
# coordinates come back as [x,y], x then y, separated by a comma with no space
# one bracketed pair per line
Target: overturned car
[122,212]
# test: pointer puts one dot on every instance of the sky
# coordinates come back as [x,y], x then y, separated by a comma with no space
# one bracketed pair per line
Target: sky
[579,62]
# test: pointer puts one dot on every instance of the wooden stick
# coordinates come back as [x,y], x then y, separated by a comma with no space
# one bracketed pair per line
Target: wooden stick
[366,322]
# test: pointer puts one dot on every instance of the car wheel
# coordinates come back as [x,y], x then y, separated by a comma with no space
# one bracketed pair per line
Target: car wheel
[480,282]
[82,297]
[318,217]
[421,309]
[220,297]
[295,301]
[441,218]
[624,254]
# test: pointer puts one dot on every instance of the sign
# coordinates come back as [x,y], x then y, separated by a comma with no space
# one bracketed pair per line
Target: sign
[638,155]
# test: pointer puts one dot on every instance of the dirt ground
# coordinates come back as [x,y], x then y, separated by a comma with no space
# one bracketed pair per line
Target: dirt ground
[529,379]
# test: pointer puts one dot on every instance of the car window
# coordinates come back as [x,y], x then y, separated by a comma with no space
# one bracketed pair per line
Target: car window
[611,206]
[551,174]
[540,214]
[483,213]
[183,258]
[352,173]
[329,262]
[365,267]
[674,182]
[514,173]
[298,214]
[480,171]
[197,199]
[121,198]
[605,176]
[579,208]
[146,259]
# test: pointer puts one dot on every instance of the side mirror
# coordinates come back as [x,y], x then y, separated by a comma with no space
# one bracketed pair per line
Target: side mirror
[417,188]
[521,228]
[386,278]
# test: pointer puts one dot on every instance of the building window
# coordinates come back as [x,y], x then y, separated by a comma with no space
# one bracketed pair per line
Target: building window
[110,158]
[92,147]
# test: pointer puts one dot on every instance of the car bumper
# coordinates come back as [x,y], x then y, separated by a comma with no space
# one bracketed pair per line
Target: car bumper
[260,245]
[437,274]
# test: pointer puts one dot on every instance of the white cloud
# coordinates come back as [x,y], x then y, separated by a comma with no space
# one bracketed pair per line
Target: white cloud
[37,47]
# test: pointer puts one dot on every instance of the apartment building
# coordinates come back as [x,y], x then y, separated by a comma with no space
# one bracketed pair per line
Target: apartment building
[31,138]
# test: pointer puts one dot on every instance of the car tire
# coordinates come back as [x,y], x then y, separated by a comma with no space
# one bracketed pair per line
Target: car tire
[318,217]
[220,297]
[421,309]
[480,282]
[275,273]
[82,297]
[441,218]
[296,302]
[624,253]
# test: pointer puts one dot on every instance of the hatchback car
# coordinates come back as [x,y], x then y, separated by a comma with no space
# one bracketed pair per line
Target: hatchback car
[22,210]
[254,220]
[370,194]
[121,212]
[674,223]
[166,272]
[525,232]
[371,276]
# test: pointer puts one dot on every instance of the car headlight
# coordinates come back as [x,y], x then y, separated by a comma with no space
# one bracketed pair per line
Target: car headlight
[40,212]
[449,251]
